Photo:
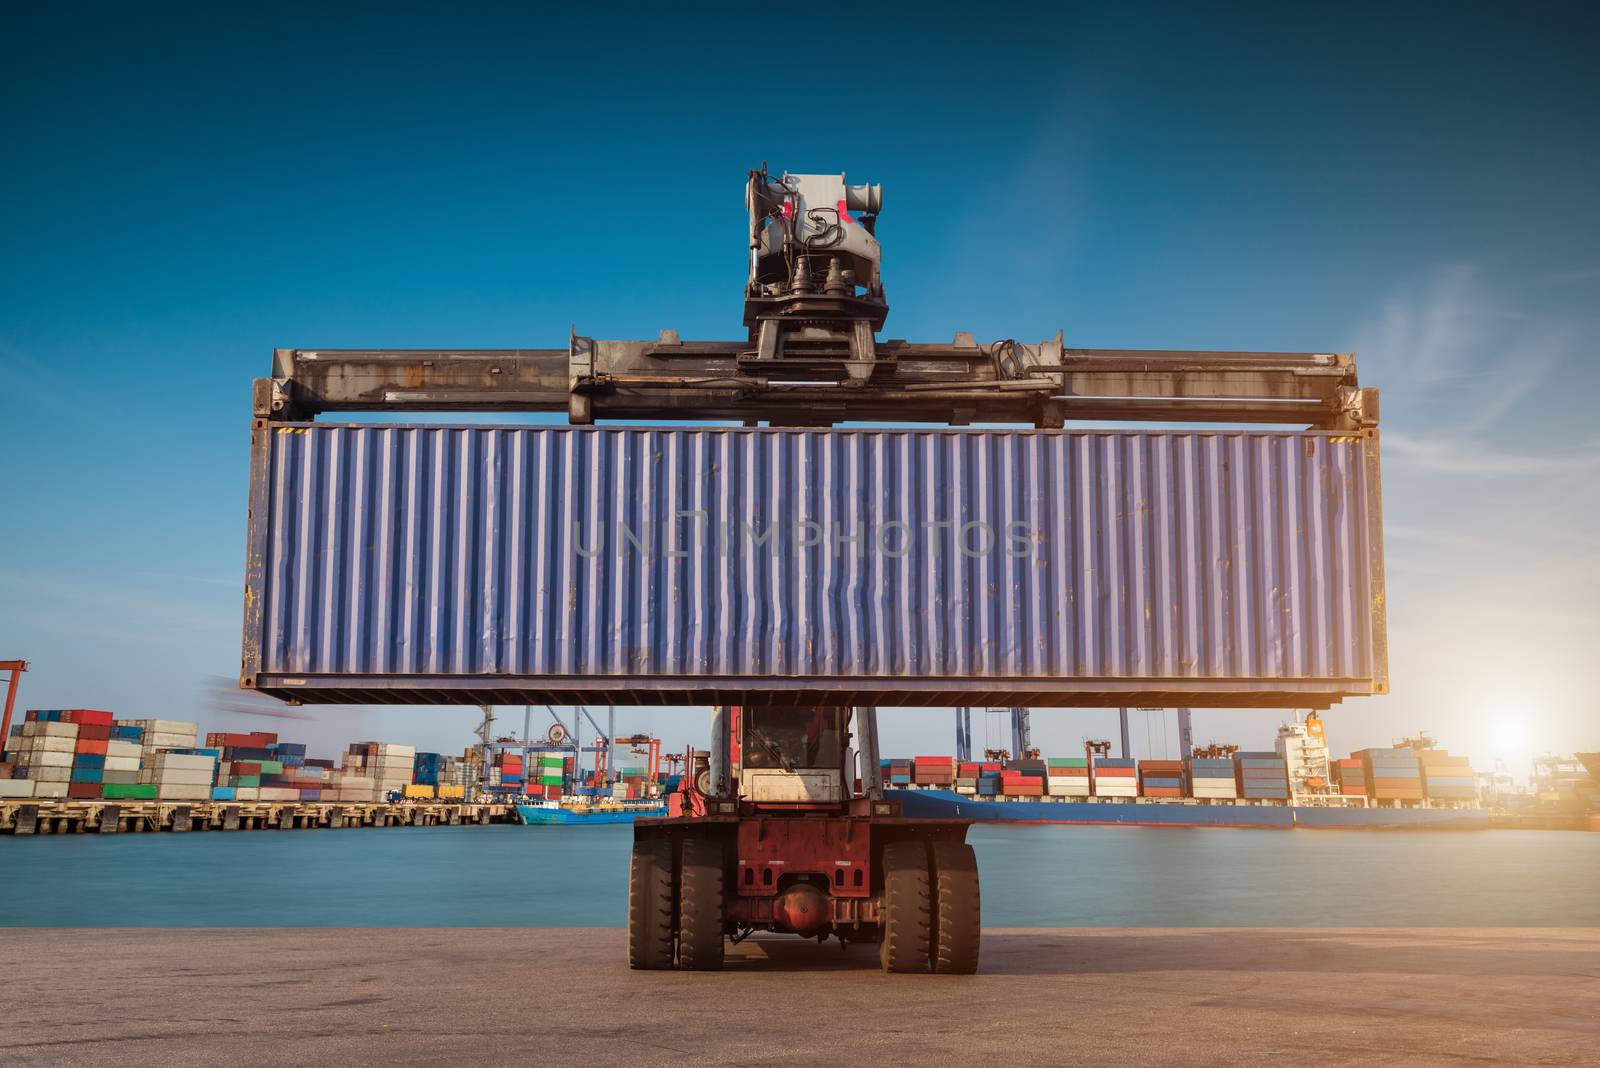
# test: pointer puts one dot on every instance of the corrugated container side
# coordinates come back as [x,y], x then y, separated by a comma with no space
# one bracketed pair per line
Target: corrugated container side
[674,565]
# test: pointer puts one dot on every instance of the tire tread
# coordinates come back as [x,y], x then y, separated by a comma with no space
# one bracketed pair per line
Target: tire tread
[700,911]
[650,905]
[908,908]
[958,909]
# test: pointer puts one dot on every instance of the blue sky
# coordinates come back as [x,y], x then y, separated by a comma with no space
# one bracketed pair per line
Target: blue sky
[185,191]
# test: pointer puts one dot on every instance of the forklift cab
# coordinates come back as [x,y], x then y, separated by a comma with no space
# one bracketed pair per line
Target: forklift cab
[787,755]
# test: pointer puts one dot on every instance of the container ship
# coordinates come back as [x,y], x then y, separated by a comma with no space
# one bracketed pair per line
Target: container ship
[1295,785]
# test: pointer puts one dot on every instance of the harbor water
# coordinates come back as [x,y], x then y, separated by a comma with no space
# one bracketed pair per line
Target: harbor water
[507,876]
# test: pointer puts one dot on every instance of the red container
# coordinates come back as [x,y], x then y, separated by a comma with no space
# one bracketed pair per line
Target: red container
[936,761]
[988,767]
[88,716]
[1033,788]
[1113,773]
[91,745]
[552,792]
[1162,791]
[253,740]
[94,732]
[247,767]
[84,791]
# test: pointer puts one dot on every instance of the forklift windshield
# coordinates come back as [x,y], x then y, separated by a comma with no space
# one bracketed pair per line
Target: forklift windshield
[791,738]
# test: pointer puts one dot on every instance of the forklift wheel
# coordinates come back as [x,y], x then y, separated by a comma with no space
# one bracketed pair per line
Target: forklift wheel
[650,904]
[907,910]
[700,945]
[957,914]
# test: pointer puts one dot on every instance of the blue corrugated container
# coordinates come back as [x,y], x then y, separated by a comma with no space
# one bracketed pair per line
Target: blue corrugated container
[890,567]
[222,793]
[87,774]
[88,760]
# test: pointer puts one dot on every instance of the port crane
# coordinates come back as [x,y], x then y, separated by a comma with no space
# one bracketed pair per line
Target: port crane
[14,670]
[787,829]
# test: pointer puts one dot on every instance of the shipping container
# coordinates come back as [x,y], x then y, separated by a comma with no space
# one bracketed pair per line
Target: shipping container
[457,565]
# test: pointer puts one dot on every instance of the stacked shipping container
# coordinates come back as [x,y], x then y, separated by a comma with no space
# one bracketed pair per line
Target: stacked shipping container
[1212,779]
[1115,777]
[1261,776]
[933,771]
[1348,777]
[1067,776]
[1391,774]
[1161,778]
[1446,777]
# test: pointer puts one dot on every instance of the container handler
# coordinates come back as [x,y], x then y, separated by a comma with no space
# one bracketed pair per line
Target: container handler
[788,834]
[788,831]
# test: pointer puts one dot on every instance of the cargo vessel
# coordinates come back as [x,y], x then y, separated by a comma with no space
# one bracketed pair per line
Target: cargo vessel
[550,813]
[1131,812]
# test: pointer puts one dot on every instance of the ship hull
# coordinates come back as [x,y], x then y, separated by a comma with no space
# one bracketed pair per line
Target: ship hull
[538,816]
[945,804]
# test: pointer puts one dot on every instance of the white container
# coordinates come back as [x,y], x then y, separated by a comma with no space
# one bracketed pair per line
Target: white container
[49,789]
[356,782]
[46,759]
[388,750]
[12,788]
[58,730]
[186,761]
[54,744]
[246,793]
[165,740]
[168,791]
[50,774]
[182,777]
[115,748]
[277,793]
[122,763]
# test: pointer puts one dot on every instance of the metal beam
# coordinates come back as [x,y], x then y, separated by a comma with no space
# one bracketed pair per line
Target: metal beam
[1043,384]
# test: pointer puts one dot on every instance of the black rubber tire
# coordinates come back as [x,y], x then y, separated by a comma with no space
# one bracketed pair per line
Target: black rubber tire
[907,908]
[957,909]
[700,905]
[650,904]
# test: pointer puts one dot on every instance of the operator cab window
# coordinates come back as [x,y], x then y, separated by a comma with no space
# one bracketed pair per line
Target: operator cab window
[791,738]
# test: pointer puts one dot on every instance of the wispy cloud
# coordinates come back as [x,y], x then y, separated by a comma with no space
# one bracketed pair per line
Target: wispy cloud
[1459,456]
[1456,361]
[1566,278]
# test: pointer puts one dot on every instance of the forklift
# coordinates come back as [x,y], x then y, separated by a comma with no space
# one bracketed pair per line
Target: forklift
[794,836]
[788,830]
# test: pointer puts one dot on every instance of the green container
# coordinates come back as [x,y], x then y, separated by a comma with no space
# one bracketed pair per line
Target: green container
[129,792]
[271,767]
[549,780]
[244,780]
[1067,762]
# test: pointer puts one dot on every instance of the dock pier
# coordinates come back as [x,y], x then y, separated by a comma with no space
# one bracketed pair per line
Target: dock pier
[133,817]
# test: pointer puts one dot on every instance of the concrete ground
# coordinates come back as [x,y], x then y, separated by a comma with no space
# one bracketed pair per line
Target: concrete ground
[340,997]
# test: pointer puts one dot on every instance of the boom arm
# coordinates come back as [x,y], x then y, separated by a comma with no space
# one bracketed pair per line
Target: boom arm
[959,383]
[814,303]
